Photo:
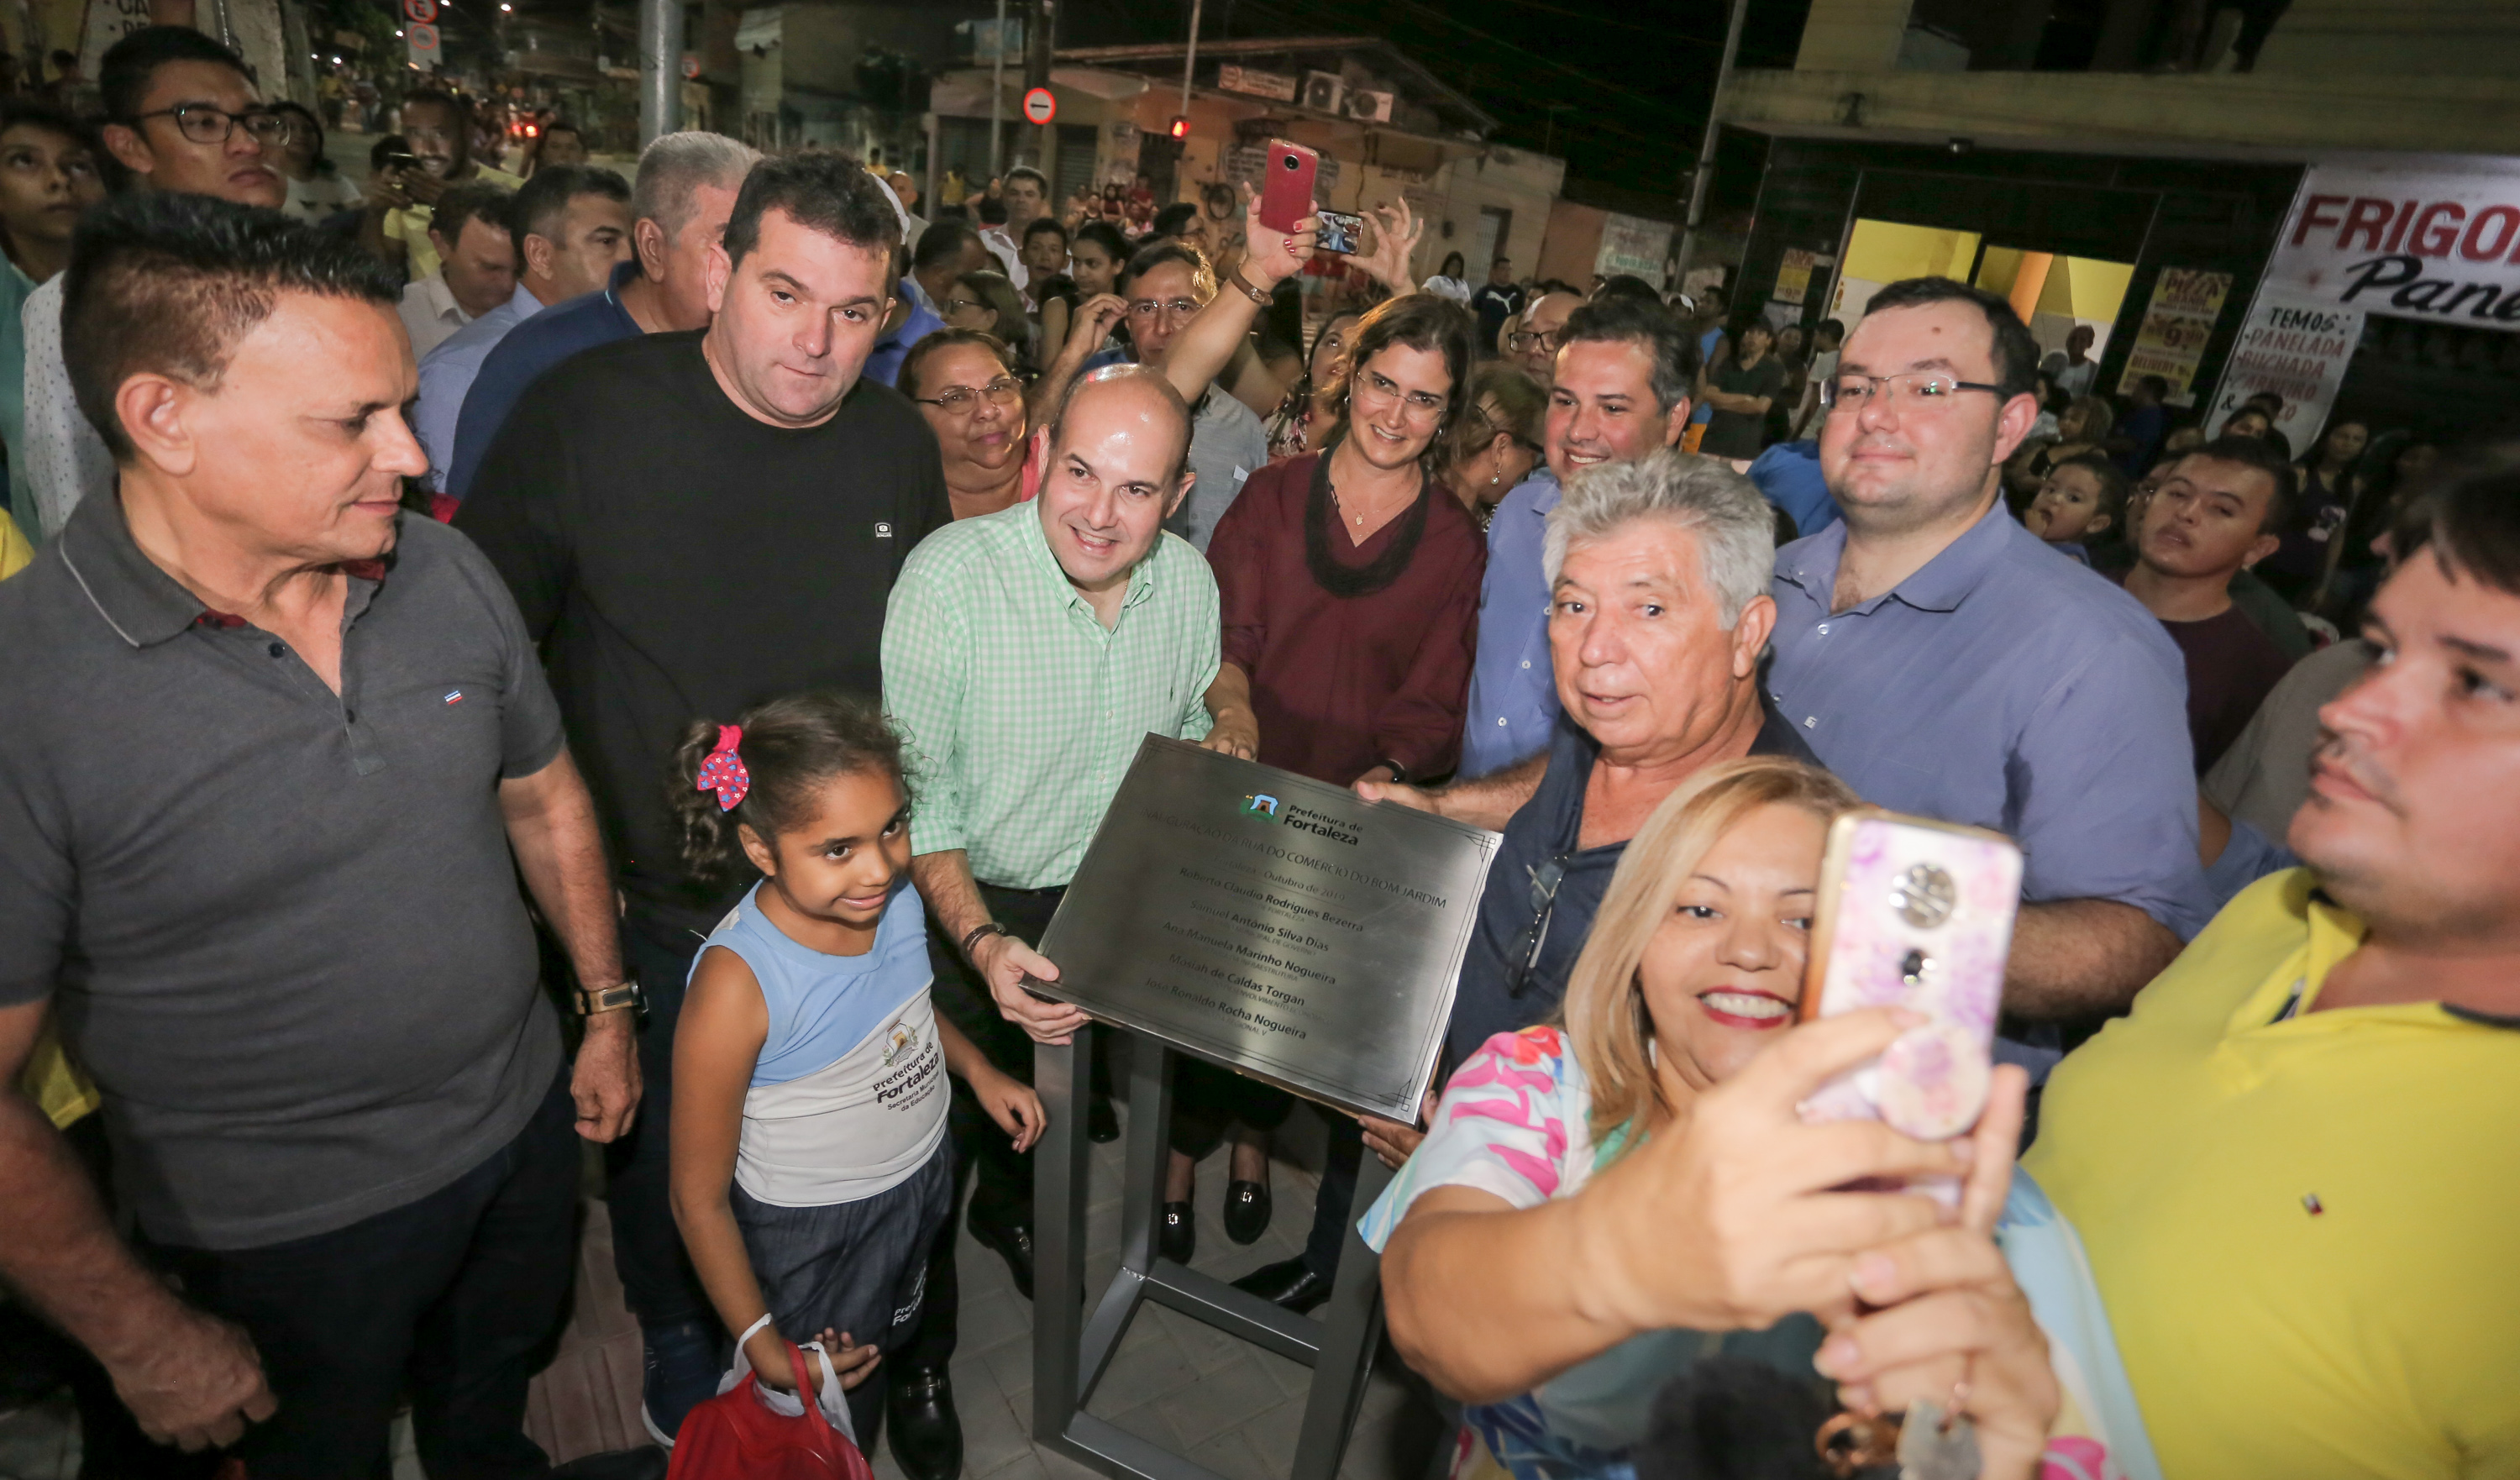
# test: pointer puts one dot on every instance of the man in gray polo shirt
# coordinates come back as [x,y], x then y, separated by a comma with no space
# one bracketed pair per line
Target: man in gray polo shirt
[268,751]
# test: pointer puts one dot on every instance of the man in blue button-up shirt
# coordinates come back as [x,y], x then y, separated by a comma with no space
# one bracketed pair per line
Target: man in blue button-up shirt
[1622,390]
[1943,661]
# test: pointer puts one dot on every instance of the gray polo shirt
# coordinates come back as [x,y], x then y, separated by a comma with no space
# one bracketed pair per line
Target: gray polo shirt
[281,924]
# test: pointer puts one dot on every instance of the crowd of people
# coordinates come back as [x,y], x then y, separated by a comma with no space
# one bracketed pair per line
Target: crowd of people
[637,663]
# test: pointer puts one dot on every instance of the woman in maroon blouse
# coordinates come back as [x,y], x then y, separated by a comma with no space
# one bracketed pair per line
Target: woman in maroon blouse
[1350,584]
[1350,577]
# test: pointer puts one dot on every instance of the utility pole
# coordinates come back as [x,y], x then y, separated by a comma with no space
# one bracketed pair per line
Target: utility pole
[1190,60]
[661,69]
[1039,15]
[1714,126]
[997,89]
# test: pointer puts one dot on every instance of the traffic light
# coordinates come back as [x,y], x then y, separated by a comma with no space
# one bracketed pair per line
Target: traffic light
[1181,128]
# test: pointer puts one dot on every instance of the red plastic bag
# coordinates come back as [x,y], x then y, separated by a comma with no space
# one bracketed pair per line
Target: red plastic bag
[735,1436]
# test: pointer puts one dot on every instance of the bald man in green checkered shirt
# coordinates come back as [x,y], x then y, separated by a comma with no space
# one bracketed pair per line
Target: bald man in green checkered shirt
[1026,653]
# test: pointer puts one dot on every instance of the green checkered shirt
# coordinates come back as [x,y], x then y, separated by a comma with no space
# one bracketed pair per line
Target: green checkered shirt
[1018,710]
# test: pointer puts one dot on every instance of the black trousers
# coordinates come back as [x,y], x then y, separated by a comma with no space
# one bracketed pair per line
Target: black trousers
[454,1299]
[985,1159]
[657,1276]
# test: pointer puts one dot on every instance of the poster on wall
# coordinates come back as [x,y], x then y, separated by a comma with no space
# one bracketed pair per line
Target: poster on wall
[2187,304]
[1793,275]
[2297,349]
[2436,239]
[1633,246]
[105,22]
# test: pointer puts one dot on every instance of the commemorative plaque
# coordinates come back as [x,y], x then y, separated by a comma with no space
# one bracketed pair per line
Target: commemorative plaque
[1277,925]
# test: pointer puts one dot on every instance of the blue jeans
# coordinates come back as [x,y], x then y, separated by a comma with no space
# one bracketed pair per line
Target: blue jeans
[859,1268]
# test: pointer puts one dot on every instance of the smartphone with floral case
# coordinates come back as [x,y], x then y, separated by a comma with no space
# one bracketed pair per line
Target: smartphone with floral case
[1913,913]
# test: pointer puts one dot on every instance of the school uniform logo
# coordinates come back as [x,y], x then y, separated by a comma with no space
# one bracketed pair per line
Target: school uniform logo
[905,1040]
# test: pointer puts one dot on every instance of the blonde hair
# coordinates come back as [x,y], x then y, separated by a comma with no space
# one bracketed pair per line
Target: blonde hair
[1604,1011]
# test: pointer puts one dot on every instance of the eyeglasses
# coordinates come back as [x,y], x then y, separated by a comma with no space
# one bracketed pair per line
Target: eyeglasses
[204,124]
[1420,405]
[961,399]
[957,305]
[1148,308]
[1523,958]
[1546,340]
[1908,392]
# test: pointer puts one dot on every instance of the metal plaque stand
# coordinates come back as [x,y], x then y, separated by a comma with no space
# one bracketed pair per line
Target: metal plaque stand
[1073,1343]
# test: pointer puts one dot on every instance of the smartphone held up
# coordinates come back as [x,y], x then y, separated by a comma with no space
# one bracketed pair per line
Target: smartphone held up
[1913,913]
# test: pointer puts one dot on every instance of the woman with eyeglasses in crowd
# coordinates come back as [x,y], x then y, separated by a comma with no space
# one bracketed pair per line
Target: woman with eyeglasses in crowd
[988,303]
[318,191]
[971,388]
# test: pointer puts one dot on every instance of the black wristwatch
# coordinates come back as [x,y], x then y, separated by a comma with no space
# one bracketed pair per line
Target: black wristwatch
[991,927]
[612,999]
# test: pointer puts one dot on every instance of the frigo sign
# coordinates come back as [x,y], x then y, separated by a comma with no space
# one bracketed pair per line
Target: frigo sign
[2434,240]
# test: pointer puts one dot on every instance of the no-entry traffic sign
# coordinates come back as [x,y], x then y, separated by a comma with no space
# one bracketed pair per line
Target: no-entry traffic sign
[1039,105]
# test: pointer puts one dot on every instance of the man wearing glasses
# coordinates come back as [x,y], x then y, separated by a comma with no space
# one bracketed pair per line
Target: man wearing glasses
[181,116]
[1943,662]
[1534,345]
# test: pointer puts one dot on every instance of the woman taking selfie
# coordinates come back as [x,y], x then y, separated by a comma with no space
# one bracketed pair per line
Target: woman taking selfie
[1596,1195]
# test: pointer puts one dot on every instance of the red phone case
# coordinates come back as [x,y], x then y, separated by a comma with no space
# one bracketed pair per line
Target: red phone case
[1286,195]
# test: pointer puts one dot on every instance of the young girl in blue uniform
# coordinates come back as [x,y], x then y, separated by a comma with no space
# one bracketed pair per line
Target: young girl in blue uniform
[811,1170]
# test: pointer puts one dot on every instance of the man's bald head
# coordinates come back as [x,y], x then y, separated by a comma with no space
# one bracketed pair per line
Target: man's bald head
[1116,451]
[1125,393]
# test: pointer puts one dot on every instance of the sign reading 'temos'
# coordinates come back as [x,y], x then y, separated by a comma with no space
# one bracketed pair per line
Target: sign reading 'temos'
[2428,241]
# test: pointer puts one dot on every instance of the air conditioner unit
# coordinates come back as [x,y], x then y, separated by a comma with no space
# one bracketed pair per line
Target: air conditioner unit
[1323,91]
[1370,107]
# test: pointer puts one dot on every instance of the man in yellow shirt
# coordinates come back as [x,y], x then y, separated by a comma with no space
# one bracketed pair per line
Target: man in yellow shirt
[2292,1166]
[439,127]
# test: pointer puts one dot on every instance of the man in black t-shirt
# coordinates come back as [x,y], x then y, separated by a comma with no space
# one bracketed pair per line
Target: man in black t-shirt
[693,523]
[1496,301]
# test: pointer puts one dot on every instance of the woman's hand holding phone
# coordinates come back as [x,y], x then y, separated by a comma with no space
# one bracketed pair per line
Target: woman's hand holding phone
[1732,1217]
[1940,1309]
[1271,256]
[1396,230]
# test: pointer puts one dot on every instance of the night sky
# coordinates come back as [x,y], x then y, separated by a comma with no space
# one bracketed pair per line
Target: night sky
[1632,81]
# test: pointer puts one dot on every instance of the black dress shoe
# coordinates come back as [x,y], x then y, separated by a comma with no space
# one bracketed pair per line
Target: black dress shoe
[1246,1211]
[1012,1243]
[1178,1238]
[1287,1284]
[1101,1122]
[926,1436]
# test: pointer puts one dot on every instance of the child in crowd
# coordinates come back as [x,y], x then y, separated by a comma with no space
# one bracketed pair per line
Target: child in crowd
[2081,499]
[811,1170]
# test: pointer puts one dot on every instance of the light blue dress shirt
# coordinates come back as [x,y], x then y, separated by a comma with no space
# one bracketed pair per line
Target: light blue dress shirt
[2005,687]
[1513,693]
[446,379]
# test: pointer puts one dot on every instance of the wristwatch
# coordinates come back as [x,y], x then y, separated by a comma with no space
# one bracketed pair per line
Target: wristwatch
[991,927]
[612,999]
[1240,283]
